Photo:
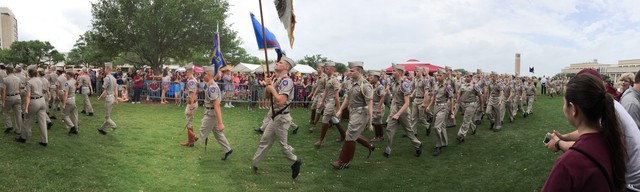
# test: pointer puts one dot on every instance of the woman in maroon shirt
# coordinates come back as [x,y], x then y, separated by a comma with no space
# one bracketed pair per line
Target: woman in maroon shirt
[596,162]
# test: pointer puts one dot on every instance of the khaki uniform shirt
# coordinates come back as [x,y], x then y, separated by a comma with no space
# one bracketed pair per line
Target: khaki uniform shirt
[45,85]
[443,92]
[400,89]
[530,89]
[12,84]
[70,87]
[284,86]
[359,93]
[35,87]
[469,92]
[419,84]
[84,80]
[332,85]
[495,88]
[53,79]
[212,94]
[321,83]
[378,93]
[109,82]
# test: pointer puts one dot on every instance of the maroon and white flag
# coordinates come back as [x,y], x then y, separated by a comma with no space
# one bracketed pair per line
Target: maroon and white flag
[288,19]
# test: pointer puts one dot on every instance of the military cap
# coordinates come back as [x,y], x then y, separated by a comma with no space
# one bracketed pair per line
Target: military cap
[84,69]
[32,67]
[288,61]
[189,66]
[209,69]
[376,73]
[40,70]
[1,64]
[440,72]
[419,68]
[355,64]
[108,65]
[329,64]
[321,64]
[398,67]
[69,70]
[62,69]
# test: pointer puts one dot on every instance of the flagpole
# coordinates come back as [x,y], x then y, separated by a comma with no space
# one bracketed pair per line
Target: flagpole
[266,56]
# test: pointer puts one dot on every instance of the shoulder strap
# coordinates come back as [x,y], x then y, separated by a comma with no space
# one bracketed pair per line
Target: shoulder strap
[602,170]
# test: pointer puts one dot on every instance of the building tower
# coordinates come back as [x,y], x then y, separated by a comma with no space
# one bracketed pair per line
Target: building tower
[8,28]
[517,72]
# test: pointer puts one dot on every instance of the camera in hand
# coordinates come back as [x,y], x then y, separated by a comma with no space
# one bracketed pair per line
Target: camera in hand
[546,140]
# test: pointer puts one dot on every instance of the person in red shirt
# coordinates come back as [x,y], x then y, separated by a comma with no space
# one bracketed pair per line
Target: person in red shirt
[597,160]
[138,83]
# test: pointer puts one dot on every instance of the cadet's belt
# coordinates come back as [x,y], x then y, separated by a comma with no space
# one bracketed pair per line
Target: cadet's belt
[495,97]
[11,95]
[71,97]
[210,108]
[529,95]
[36,97]
[441,103]
[418,97]
[470,102]
[109,95]
[358,108]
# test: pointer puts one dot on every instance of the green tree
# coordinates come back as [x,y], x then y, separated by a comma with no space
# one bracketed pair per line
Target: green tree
[86,52]
[312,60]
[33,52]
[158,30]
[461,71]
[341,68]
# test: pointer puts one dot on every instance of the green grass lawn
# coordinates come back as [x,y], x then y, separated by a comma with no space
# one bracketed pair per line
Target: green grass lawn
[144,154]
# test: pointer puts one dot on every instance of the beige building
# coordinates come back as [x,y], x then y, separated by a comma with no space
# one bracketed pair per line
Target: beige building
[9,28]
[612,70]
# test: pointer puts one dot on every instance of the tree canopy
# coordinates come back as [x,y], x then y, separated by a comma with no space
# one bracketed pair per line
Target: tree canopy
[151,32]
[36,52]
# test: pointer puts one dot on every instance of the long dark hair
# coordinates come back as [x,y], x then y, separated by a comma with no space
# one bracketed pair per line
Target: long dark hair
[588,93]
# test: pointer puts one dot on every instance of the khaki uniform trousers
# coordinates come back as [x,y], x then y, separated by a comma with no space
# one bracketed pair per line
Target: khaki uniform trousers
[449,121]
[405,122]
[377,116]
[494,112]
[529,104]
[47,100]
[314,104]
[506,108]
[70,113]
[210,124]
[189,118]
[329,110]
[358,121]
[441,111]
[15,103]
[37,109]
[515,106]
[109,100]
[467,121]
[418,115]
[267,119]
[85,100]
[55,102]
[277,129]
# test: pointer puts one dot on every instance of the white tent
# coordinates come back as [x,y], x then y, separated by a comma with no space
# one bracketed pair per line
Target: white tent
[264,68]
[245,67]
[305,69]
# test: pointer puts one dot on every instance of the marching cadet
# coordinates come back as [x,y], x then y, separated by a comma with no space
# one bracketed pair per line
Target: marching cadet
[469,96]
[46,94]
[479,80]
[53,90]
[442,101]
[517,99]
[23,84]
[418,113]
[496,94]
[529,94]
[34,106]
[212,119]
[400,112]
[62,79]
[316,94]
[359,102]
[330,100]
[192,105]
[278,128]
[69,109]
[507,104]
[378,105]
[428,93]
[110,92]
[84,81]
[3,74]
[451,122]
[11,101]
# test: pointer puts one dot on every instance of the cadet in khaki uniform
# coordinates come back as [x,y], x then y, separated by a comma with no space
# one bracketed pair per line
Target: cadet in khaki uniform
[84,81]
[495,101]
[34,106]
[69,109]
[110,92]
[318,94]
[507,105]
[517,99]
[400,112]
[212,119]
[378,105]
[429,83]
[278,127]
[452,82]
[5,115]
[23,84]
[192,105]
[11,101]
[53,90]
[45,93]
[469,96]
[420,90]
[331,102]
[530,95]
[442,101]
[359,101]
[62,79]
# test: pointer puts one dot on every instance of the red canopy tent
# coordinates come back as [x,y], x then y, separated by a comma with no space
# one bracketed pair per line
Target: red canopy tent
[411,65]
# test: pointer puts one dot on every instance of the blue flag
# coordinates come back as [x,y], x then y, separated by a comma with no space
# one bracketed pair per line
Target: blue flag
[216,55]
[271,38]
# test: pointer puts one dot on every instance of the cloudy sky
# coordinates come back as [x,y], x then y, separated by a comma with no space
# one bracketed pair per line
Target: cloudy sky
[466,34]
